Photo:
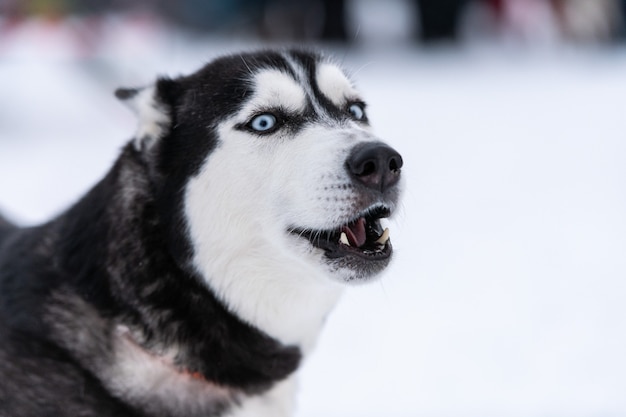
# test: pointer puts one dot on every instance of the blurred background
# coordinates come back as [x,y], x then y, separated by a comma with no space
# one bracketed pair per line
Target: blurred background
[507,296]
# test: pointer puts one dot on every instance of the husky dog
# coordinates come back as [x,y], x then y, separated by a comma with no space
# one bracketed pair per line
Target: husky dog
[194,278]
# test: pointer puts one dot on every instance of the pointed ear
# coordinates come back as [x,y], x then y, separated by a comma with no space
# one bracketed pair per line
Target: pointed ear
[153,106]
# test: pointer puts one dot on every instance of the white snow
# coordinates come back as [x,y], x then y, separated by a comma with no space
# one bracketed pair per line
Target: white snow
[507,296]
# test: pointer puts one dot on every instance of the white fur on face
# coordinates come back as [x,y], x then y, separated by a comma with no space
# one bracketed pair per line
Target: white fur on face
[252,190]
[241,246]
[275,89]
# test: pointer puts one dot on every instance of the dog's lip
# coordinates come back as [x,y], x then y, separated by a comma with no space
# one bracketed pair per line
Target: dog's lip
[362,236]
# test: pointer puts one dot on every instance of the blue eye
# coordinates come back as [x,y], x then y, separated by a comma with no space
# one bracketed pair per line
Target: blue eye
[357,111]
[263,122]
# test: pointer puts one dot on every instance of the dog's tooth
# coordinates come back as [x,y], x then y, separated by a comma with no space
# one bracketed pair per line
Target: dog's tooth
[384,237]
[344,239]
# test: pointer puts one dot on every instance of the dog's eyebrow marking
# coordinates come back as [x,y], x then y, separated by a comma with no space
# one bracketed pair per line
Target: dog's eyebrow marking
[334,84]
[277,89]
[302,75]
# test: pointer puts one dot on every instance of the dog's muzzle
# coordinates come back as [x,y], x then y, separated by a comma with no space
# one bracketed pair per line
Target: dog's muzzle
[360,243]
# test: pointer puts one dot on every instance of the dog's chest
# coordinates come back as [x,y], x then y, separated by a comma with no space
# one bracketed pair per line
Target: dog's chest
[154,383]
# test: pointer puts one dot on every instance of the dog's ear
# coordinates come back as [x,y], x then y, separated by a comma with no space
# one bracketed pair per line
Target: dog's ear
[153,106]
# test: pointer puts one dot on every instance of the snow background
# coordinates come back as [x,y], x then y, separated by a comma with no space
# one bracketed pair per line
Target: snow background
[507,294]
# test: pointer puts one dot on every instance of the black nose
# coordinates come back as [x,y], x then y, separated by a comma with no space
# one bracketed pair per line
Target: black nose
[375,165]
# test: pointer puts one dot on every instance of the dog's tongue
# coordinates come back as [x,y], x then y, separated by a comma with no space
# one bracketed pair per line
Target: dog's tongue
[355,233]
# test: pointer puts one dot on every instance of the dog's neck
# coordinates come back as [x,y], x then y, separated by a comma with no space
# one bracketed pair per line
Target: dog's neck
[287,304]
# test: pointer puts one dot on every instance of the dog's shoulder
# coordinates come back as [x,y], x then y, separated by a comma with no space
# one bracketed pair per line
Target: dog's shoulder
[40,379]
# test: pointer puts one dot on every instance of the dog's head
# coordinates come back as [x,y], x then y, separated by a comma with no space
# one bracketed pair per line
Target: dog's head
[266,162]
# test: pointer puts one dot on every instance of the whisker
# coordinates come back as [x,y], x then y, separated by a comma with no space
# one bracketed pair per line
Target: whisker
[246,64]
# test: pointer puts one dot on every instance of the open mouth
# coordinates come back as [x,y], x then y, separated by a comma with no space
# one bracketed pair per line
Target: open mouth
[363,237]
